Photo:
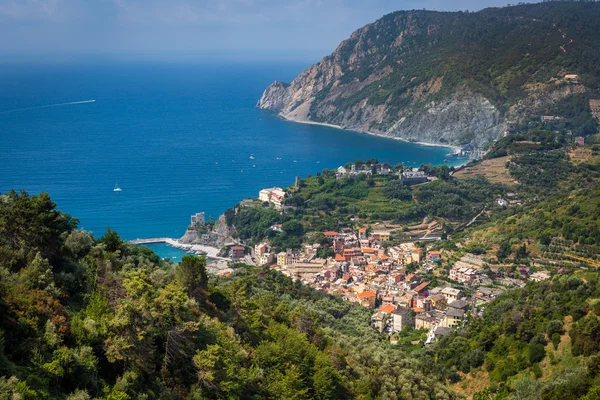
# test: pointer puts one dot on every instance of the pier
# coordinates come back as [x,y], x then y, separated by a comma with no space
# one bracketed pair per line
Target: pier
[152,240]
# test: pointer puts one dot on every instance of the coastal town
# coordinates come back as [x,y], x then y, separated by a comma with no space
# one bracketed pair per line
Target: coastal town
[411,286]
[405,285]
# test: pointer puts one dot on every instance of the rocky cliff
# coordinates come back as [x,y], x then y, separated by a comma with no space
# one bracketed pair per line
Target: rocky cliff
[220,235]
[449,78]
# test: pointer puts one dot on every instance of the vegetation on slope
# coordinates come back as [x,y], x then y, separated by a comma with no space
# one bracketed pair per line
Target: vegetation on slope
[85,318]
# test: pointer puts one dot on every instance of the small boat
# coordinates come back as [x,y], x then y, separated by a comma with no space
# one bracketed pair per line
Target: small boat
[318,162]
[253,166]
[278,158]
[241,170]
[251,157]
[217,163]
[117,188]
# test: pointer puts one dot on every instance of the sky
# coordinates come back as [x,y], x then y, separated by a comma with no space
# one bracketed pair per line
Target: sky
[178,28]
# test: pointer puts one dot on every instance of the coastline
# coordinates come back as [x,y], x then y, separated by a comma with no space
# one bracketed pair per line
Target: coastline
[211,252]
[455,149]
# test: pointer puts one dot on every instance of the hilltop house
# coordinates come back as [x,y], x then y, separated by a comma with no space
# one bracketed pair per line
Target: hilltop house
[413,177]
[274,196]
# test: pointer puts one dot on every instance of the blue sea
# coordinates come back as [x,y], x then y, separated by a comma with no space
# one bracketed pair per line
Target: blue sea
[177,137]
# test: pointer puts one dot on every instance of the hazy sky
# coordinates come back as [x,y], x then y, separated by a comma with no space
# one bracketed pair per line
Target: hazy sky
[166,28]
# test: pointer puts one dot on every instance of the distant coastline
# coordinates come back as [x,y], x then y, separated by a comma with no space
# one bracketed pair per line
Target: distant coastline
[455,149]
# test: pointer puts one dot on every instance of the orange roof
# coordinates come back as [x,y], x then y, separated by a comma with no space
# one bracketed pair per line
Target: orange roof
[434,252]
[330,233]
[384,257]
[422,286]
[418,251]
[365,295]
[410,276]
[388,308]
[362,230]
[367,250]
[346,277]
[418,310]
[339,257]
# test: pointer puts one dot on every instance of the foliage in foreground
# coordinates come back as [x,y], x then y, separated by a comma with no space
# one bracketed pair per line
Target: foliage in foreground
[83,318]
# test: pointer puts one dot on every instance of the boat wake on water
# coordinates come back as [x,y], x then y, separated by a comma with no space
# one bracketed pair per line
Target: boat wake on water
[71,103]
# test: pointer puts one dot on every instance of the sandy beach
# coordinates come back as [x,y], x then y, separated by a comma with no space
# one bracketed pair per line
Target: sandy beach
[211,252]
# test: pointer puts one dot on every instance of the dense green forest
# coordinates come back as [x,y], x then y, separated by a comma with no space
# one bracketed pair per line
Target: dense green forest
[539,342]
[84,318]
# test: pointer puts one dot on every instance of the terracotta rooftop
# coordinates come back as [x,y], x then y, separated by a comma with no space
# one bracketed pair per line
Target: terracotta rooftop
[388,308]
[422,286]
[365,295]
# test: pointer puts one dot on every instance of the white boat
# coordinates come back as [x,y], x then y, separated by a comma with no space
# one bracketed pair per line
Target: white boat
[117,188]
[251,157]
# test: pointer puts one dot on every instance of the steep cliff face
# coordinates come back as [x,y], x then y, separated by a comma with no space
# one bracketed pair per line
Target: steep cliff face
[451,78]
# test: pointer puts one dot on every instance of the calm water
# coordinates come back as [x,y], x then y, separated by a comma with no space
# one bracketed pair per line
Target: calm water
[177,138]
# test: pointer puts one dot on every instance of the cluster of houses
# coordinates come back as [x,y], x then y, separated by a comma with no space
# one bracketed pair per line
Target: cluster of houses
[411,176]
[365,272]
[365,169]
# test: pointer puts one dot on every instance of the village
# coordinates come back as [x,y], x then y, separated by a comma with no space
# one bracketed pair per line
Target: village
[414,287]
[408,285]
[395,282]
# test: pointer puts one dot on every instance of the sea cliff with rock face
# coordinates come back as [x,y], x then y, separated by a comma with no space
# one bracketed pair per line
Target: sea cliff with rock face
[451,78]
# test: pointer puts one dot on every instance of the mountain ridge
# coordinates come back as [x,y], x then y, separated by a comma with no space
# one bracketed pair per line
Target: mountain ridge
[449,77]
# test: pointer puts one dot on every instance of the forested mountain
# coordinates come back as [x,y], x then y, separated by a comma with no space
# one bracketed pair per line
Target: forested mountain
[454,77]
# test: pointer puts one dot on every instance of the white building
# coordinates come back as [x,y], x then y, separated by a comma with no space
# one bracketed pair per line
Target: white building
[274,196]
[197,218]
[261,249]
[265,259]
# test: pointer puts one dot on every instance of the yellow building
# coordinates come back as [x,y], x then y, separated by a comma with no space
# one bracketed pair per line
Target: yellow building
[416,255]
[282,259]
